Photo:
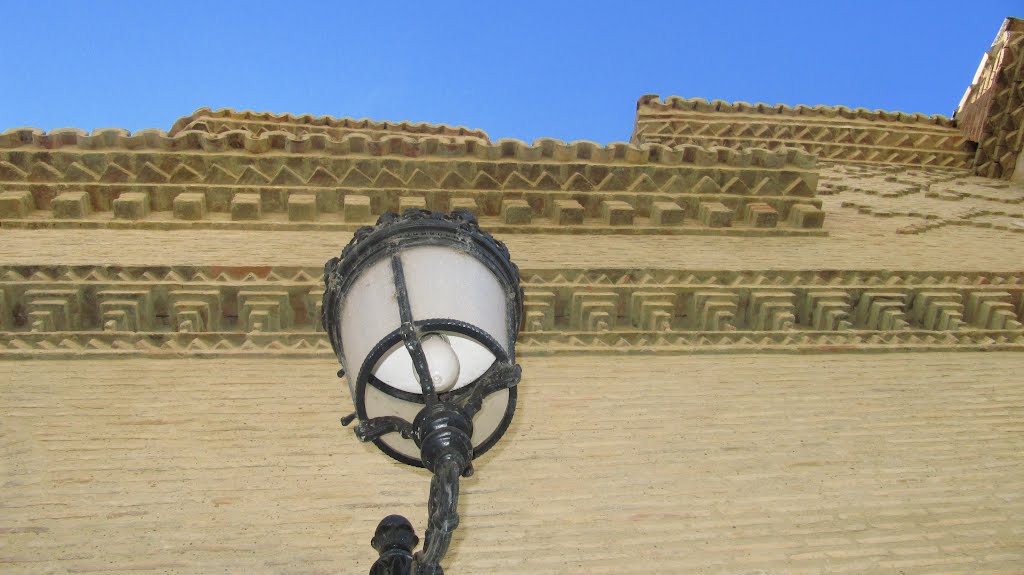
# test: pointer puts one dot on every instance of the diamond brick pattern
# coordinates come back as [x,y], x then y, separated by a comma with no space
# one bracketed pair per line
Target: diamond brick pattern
[991,113]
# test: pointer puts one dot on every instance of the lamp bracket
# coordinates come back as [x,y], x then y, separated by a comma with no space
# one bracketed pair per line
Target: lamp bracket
[372,429]
[394,539]
[500,376]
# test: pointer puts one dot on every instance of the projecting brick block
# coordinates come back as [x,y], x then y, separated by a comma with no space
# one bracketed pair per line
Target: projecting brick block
[301,208]
[126,309]
[264,311]
[992,310]
[328,201]
[314,301]
[71,205]
[465,204]
[806,216]
[16,204]
[593,311]
[54,309]
[715,215]
[617,213]
[516,212]
[760,215]
[192,206]
[771,310]
[652,310]
[713,310]
[567,212]
[131,206]
[195,310]
[245,207]
[882,310]
[666,214]
[5,312]
[357,208]
[827,310]
[416,202]
[940,310]
[539,310]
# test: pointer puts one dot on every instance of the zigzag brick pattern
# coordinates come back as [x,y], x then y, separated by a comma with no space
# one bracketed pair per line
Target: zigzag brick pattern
[316,180]
[832,134]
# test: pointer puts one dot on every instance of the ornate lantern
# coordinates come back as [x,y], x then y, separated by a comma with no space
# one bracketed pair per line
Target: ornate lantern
[422,311]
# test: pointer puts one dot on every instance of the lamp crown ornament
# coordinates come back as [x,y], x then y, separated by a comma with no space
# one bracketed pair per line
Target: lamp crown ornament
[423,310]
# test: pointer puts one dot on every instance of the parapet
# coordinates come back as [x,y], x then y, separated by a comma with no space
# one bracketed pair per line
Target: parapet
[227,120]
[833,134]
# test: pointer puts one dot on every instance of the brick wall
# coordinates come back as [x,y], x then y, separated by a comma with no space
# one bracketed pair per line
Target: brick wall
[883,463]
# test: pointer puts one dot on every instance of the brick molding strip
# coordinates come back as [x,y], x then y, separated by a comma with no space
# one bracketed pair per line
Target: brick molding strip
[215,310]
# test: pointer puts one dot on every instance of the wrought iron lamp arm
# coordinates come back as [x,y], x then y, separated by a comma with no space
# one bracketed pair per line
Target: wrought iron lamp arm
[443,518]
[442,430]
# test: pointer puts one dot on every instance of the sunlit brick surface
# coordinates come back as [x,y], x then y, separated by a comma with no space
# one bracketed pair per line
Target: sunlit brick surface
[782,464]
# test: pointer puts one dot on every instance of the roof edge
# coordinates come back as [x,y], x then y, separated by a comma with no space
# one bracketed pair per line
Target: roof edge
[404,145]
[182,123]
[721,106]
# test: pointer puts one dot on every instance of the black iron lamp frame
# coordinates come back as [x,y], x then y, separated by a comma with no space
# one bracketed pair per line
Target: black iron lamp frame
[443,428]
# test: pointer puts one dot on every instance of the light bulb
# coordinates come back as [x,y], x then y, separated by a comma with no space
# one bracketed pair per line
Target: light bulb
[442,361]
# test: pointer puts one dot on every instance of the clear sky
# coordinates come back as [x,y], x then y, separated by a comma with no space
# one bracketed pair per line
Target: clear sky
[517,69]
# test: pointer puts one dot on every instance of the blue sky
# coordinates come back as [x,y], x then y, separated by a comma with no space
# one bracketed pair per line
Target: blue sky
[567,70]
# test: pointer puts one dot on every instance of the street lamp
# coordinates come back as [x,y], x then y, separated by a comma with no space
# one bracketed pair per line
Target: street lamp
[422,311]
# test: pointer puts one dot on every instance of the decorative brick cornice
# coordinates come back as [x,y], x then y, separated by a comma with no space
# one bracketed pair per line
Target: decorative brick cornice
[276,180]
[160,310]
[836,134]
[104,345]
[397,145]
